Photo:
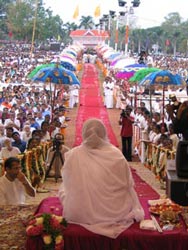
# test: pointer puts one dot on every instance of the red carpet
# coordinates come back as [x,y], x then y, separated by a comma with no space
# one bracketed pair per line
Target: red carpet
[91,104]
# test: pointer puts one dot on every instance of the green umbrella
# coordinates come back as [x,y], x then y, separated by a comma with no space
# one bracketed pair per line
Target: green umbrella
[140,74]
[36,70]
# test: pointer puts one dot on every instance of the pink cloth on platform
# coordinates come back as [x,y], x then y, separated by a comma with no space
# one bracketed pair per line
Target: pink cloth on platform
[78,238]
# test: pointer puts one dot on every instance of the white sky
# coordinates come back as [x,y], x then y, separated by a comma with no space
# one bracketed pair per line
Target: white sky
[149,13]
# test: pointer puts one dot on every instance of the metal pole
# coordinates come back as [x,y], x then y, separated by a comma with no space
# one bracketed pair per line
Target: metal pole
[116,37]
[127,33]
[34,28]
[109,20]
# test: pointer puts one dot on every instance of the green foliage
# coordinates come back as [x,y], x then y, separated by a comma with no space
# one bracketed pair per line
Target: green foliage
[18,18]
[86,22]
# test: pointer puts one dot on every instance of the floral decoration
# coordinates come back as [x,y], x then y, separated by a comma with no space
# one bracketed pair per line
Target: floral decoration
[50,227]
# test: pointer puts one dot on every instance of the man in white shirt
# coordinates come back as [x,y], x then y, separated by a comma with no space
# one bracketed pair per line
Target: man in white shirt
[13,184]
[8,150]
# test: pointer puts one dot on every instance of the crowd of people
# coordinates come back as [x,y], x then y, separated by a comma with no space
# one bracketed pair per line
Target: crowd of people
[161,121]
[27,120]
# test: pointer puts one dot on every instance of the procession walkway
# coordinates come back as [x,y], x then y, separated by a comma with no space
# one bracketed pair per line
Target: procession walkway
[91,105]
[16,217]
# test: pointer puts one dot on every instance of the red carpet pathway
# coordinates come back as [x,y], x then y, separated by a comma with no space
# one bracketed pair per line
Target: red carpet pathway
[91,104]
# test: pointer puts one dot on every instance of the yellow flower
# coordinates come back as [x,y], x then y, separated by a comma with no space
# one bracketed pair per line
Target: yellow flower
[59,218]
[47,239]
[39,221]
[58,239]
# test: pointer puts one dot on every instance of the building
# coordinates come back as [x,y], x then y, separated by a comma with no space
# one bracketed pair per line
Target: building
[89,38]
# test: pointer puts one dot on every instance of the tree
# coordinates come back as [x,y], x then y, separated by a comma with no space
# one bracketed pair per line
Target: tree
[171,27]
[86,22]
[20,19]
[66,29]
[3,17]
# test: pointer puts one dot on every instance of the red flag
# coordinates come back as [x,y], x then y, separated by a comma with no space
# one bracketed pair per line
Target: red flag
[126,34]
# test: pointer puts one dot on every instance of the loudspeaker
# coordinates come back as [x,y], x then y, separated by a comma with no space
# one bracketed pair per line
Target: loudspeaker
[182,159]
[177,188]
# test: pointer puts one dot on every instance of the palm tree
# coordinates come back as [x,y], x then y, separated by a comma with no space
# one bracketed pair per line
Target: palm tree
[86,22]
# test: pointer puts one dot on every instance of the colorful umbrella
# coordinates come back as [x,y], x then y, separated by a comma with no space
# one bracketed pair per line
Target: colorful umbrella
[134,67]
[72,52]
[113,56]
[64,59]
[56,74]
[68,56]
[140,74]
[124,75]
[129,70]
[121,63]
[164,78]
[67,65]
[36,70]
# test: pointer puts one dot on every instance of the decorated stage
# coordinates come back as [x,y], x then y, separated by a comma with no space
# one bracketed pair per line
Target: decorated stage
[78,238]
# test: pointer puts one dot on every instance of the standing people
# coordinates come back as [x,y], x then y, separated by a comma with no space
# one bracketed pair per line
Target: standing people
[126,121]
[108,88]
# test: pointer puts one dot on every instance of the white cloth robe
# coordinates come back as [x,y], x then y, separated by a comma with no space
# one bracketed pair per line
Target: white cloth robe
[97,190]
[109,94]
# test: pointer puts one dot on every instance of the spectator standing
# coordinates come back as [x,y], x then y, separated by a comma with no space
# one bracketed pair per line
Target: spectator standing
[126,121]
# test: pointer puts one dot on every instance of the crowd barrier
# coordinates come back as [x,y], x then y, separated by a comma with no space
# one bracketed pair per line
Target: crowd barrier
[153,156]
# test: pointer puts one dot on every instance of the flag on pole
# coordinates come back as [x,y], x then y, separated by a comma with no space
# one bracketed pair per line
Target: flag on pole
[126,34]
[97,11]
[76,12]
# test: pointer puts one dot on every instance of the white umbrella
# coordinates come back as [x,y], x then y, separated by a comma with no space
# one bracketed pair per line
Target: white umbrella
[120,64]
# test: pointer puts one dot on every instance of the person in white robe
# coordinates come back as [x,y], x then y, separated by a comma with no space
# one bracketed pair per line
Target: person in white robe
[108,89]
[98,188]
[73,95]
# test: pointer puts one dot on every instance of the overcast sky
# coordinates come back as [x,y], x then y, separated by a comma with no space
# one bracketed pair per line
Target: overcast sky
[149,13]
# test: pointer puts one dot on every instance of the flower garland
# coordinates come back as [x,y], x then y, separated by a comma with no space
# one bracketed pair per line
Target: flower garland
[41,163]
[35,166]
[50,227]
[25,167]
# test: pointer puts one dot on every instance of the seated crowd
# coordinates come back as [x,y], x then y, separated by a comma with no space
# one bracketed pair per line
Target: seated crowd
[29,136]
